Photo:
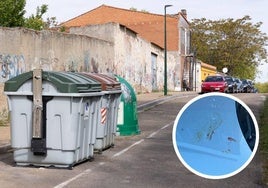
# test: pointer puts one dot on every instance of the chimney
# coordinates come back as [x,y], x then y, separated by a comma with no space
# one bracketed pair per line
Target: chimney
[184,13]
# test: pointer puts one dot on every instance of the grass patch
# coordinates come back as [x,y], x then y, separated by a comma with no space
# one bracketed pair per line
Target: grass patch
[263,144]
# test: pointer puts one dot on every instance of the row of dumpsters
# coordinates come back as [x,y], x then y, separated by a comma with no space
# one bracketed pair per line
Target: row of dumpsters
[60,119]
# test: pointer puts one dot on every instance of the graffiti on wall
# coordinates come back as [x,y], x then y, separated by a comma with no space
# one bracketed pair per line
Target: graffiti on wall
[11,66]
[83,63]
[50,62]
[86,61]
[95,65]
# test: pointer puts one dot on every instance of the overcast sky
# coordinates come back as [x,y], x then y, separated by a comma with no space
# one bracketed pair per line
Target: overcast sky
[64,10]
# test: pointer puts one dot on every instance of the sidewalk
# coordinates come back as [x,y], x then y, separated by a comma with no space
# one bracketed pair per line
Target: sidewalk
[145,100]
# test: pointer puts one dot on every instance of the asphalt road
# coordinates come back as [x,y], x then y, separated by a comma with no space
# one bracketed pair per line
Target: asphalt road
[145,160]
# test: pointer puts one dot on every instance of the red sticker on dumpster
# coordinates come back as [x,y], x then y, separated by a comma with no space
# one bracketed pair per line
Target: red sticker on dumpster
[103,115]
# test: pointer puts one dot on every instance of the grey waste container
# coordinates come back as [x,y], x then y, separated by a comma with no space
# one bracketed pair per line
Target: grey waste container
[106,126]
[52,117]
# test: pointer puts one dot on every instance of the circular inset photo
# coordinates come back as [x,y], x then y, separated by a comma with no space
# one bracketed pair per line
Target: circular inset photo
[215,135]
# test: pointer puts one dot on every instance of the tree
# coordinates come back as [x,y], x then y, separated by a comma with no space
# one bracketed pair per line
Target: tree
[12,13]
[142,10]
[134,9]
[238,44]
[36,21]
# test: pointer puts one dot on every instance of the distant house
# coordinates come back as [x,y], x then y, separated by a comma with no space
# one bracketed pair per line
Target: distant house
[200,71]
[206,70]
[138,39]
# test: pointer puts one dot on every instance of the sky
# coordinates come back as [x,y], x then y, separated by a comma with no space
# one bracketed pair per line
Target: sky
[64,10]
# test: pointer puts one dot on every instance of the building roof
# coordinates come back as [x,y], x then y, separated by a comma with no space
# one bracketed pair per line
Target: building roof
[147,25]
[208,66]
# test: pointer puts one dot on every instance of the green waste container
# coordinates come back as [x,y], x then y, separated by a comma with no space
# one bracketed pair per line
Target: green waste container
[127,116]
[106,126]
[53,117]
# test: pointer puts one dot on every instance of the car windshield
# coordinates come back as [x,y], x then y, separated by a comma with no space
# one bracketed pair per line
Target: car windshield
[229,79]
[214,79]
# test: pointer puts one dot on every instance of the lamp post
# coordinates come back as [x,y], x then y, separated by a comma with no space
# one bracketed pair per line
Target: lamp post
[165,49]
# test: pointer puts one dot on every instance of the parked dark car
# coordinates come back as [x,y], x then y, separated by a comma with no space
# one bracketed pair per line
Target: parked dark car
[253,89]
[214,83]
[232,87]
[247,86]
[239,85]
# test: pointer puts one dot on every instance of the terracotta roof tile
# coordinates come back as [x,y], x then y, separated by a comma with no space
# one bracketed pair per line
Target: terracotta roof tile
[149,26]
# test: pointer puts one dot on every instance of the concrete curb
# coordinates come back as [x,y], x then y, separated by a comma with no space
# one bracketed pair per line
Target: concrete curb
[5,148]
[161,100]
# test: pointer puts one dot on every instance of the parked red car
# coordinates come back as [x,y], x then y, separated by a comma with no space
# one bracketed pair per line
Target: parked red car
[214,83]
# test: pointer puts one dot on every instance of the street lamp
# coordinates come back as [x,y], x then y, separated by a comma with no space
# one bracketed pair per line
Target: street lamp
[165,50]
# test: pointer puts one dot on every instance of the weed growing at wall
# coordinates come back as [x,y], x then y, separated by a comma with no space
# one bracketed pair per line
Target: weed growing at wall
[4,118]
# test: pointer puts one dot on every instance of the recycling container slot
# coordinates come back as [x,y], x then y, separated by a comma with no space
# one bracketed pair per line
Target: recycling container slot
[38,146]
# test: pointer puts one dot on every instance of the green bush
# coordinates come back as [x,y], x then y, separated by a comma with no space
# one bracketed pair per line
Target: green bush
[262,87]
[263,145]
[4,118]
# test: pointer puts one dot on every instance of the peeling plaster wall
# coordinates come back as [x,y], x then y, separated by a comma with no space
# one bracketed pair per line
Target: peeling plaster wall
[133,57]
[108,48]
[22,50]
[174,71]
[184,48]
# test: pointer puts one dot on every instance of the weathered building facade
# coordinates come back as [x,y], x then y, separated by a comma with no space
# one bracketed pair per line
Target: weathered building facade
[137,60]
[132,49]
[124,53]
[149,27]
[201,71]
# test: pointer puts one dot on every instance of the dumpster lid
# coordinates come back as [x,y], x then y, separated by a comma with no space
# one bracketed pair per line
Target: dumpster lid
[108,83]
[65,82]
